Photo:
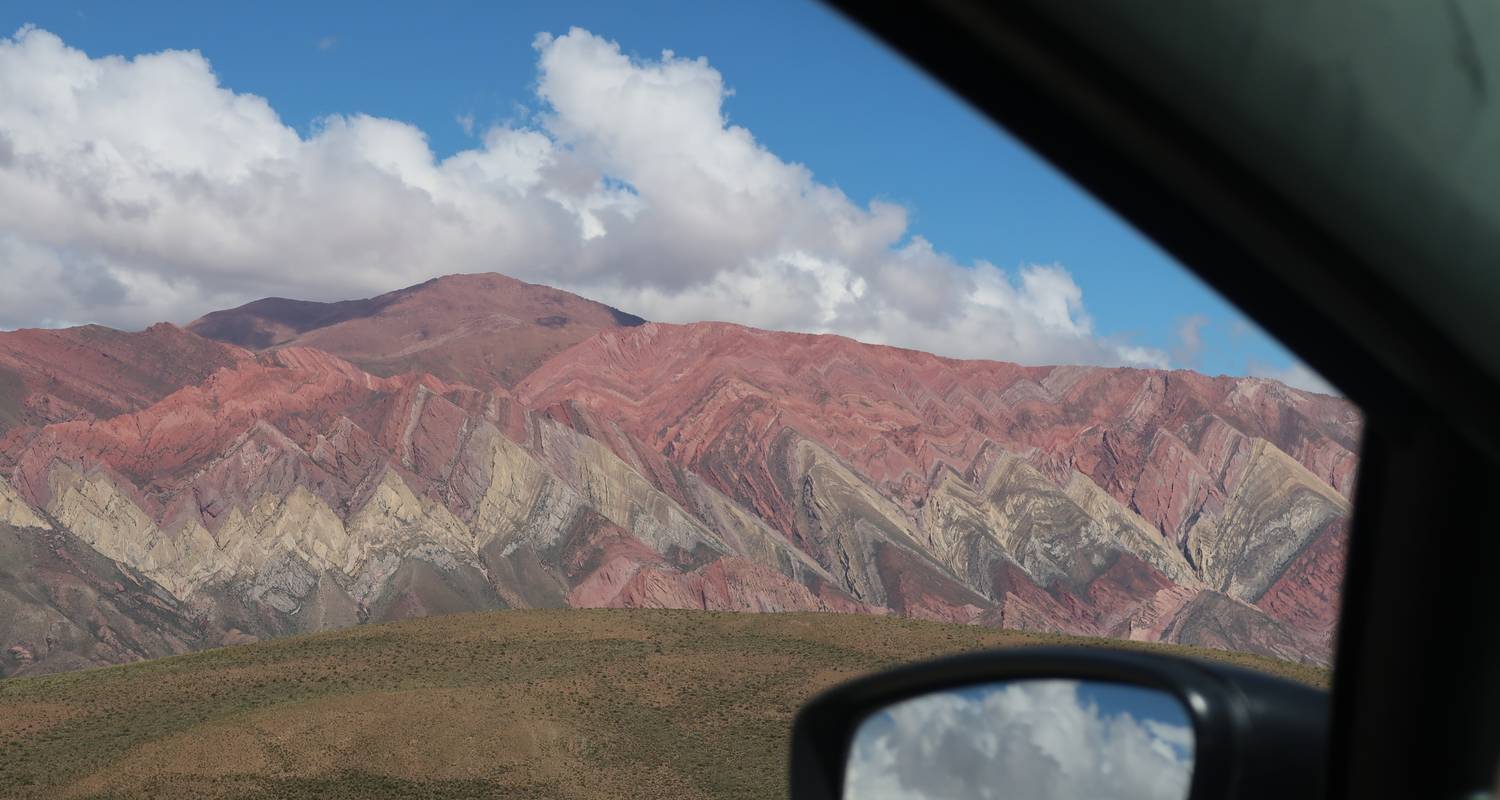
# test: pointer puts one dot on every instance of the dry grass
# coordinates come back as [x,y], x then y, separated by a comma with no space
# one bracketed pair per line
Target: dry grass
[567,704]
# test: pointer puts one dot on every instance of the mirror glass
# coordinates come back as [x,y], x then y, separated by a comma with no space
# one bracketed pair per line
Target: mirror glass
[1026,740]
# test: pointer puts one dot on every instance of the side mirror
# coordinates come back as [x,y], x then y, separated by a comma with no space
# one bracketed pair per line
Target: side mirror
[1062,724]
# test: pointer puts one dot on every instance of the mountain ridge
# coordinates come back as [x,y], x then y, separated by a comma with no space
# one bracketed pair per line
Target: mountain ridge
[705,465]
[393,333]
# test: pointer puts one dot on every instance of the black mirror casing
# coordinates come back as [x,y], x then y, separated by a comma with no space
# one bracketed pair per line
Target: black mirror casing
[1255,736]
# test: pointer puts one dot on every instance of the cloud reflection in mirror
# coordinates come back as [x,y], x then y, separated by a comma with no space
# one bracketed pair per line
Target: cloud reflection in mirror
[1026,740]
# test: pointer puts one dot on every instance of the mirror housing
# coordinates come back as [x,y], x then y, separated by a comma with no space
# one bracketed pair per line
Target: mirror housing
[1254,735]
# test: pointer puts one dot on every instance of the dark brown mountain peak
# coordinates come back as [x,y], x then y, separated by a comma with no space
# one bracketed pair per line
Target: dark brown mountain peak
[485,329]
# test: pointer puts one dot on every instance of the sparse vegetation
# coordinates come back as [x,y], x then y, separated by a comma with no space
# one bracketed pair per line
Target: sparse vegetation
[568,703]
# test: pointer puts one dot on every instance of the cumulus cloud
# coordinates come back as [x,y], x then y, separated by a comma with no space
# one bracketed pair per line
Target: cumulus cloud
[139,189]
[1030,740]
[1297,375]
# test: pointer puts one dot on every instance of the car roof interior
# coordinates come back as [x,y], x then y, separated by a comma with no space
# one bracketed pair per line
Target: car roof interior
[1329,167]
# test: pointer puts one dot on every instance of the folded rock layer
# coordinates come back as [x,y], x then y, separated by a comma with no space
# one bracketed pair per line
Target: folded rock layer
[456,446]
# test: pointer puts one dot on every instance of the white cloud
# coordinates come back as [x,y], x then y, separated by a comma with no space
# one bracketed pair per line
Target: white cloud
[1037,740]
[1189,339]
[133,190]
[1296,375]
[328,43]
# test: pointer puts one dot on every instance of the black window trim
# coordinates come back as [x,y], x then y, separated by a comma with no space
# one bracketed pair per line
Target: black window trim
[1416,701]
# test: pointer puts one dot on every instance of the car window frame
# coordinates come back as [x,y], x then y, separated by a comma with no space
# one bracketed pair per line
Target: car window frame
[1429,474]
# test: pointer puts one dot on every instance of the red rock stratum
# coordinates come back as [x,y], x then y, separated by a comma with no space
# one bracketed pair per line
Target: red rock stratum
[477,442]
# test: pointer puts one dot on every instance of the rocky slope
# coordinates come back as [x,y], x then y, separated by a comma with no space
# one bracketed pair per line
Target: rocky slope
[484,330]
[93,372]
[703,466]
[296,492]
[1104,498]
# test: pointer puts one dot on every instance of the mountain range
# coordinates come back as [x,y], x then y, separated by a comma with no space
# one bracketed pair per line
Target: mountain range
[476,442]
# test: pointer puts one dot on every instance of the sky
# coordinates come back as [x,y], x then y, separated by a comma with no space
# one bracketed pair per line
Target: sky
[767,164]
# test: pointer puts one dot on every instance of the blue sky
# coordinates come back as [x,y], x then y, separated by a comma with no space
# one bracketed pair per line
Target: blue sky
[811,88]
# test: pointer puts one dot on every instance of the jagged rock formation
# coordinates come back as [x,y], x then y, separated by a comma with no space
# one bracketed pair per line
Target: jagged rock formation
[701,466]
[1083,499]
[94,372]
[63,606]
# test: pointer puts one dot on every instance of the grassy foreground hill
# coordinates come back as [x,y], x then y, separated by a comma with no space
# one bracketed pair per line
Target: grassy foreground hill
[566,704]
